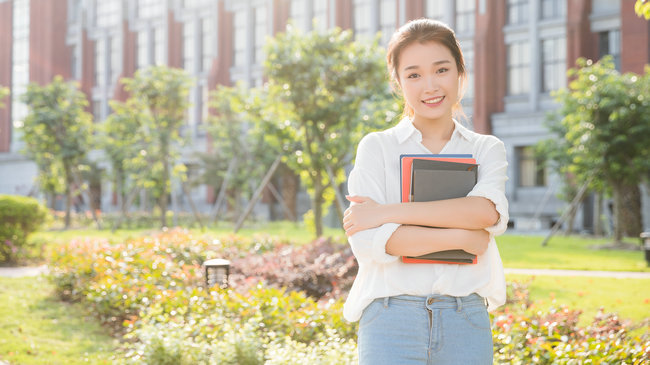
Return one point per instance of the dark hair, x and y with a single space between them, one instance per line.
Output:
424 31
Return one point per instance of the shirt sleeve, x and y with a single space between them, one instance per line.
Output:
367 178
491 184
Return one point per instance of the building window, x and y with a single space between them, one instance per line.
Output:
298 14
159 45
464 16
320 15
553 64
239 38
553 9
188 46
362 14
74 62
517 11
518 68
97 110
531 171
609 43
142 58
207 41
434 9
468 55
100 61
189 4
147 9
109 13
74 12
260 34
115 52
204 106
387 21
19 61
305 20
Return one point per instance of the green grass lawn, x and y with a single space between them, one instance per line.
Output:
571 253
36 328
629 298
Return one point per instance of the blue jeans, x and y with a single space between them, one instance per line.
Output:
437 329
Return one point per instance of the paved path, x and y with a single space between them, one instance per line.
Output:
602 274
15 272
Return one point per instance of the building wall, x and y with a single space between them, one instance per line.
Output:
497 29
6 11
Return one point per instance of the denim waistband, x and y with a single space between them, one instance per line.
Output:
436 301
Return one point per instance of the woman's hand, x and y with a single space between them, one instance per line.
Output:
364 214
477 242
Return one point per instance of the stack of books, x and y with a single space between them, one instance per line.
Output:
437 177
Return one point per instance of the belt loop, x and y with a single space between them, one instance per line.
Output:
386 302
459 304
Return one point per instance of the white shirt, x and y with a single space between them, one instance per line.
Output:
376 174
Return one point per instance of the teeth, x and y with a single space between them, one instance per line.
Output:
433 101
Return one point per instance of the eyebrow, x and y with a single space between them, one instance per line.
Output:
435 64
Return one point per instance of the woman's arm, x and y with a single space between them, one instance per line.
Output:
467 213
485 207
416 240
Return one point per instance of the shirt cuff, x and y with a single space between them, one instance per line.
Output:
379 239
501 204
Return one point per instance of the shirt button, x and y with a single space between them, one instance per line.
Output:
430 301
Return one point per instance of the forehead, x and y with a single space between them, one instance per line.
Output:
419 54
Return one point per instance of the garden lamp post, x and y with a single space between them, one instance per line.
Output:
216 272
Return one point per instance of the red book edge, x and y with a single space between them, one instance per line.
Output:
409 260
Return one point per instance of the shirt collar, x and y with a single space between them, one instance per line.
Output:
405 129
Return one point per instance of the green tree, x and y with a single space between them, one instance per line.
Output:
58 135
119 138
324 92
159 99
642 8
239 155
606 128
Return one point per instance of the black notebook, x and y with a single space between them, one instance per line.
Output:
438 180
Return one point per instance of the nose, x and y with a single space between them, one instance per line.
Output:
431 84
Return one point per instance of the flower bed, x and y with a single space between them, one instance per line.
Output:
284 305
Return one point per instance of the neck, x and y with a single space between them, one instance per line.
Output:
438 129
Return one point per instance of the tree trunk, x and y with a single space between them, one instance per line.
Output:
68 195
598 212
317 204
570 221
290 186
618 224
165 184
631 210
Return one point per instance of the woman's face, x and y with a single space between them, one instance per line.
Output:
428 77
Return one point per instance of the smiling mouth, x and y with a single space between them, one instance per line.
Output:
437 100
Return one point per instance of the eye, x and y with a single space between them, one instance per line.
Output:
413 76
442 70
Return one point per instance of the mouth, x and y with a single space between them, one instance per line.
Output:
434 101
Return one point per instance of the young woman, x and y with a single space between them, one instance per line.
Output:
425 313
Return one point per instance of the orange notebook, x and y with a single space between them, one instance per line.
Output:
407 173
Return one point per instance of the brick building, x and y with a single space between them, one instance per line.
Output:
517 51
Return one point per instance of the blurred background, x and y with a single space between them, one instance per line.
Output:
517 53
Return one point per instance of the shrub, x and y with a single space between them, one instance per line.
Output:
523 336
322 269
152 287
19 216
